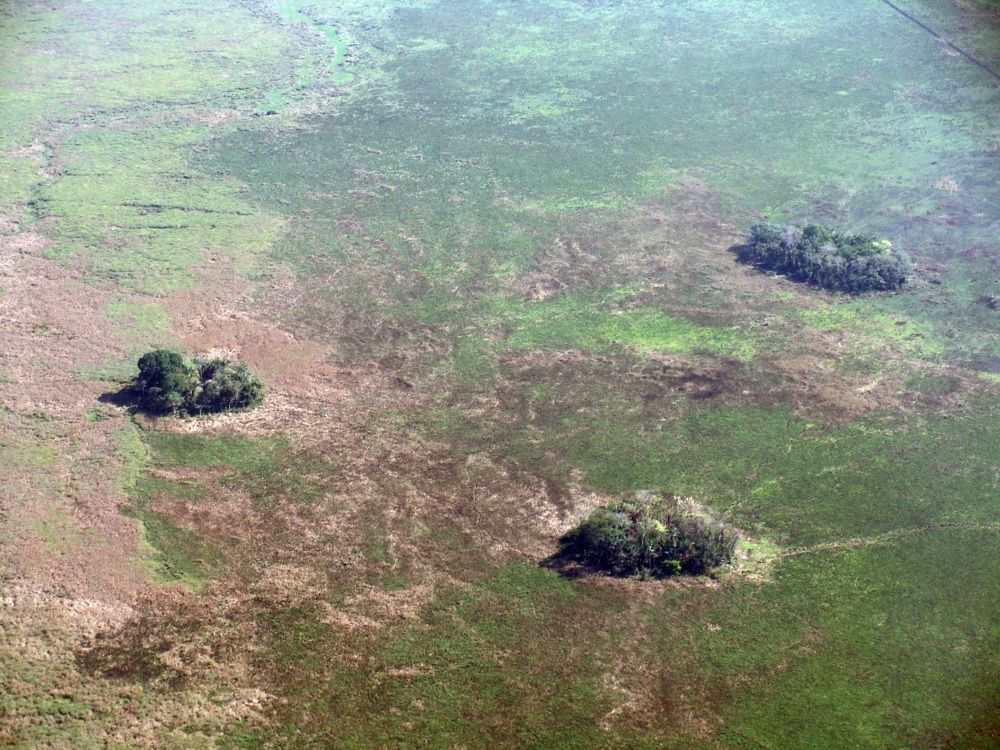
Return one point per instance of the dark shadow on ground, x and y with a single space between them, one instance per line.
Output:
566 566
742 253
125 397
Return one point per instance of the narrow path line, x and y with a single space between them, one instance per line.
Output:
940 38
889 536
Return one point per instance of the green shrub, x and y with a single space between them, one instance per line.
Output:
648 535
227 385
166 382
824 257
169 383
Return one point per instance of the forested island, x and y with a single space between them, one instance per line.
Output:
171 383
648 536
823 257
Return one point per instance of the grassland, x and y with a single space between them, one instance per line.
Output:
481 254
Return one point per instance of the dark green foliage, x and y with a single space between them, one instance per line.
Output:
651 536
166 382
824 257
169 382
227 385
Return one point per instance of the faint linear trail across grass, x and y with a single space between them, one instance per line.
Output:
885 538
944 40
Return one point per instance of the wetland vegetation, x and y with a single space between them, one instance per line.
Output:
478 253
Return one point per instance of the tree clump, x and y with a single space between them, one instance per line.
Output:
649 536
171 383
823 257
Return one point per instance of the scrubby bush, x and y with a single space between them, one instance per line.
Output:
169 383
824 257
227 385
166 382
649 535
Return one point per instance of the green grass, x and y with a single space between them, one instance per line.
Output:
575 322
476 652
886 528
538 150
111 371
146 321
292 12
855 648
478 217
133 195
175 556
170 551
477 145
268 469
497 656
36 457
875 331
133 453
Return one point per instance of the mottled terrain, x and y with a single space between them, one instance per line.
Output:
481 253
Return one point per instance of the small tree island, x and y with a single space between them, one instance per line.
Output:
648 535
172 383
818 255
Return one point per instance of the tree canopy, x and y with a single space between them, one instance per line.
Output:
171 383
649 535
824 257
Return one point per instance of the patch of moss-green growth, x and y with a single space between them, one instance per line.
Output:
132 196
276 101
33 456
802 484
394 581
58 530
831 607
267 469
64 707
109 371
294 634
294 11
19 176
173 489
133 454
931 384
174 554
239 454
161 545
474 647
873 330
555 104
138 321
473 361
575 321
